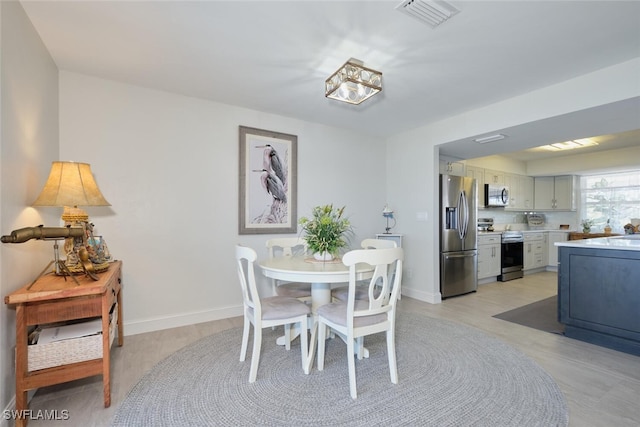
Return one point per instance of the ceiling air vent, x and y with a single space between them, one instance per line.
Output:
432 13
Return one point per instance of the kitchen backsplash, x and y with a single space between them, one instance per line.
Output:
518 220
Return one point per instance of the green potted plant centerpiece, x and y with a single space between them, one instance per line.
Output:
326 231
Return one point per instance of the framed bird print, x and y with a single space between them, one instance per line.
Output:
268 182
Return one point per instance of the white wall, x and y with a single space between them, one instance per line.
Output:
499 163
612 160
28 143
168 164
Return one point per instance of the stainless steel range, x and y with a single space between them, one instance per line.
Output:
512 258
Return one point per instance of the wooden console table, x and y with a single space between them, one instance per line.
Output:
580 236
53 299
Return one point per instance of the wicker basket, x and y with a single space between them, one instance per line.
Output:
69 351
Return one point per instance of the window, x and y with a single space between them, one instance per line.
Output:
612 197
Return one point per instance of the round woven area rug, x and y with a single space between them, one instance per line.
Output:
449 375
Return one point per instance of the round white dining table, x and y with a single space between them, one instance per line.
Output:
321 274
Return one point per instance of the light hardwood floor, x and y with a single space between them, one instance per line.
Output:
601 386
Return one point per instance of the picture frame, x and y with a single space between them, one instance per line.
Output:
268 163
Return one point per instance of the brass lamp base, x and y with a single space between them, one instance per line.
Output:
74 214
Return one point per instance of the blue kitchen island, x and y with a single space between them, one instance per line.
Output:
599 291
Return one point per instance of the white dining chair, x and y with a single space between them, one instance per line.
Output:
340 293
289 246
267 312
355 319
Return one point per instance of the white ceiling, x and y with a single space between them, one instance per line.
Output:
274 56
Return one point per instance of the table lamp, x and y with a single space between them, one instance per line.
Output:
70 185
388 214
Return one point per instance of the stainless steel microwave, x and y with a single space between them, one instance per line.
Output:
496 195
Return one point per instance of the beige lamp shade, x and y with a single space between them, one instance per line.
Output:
71 184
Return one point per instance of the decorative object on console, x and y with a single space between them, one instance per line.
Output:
607 228
388 214
46 233
326 231
586 225
71 184
353 83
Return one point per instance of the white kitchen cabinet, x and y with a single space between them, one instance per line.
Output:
489 256
535 249
526 196
477 174
451 167
565 187
552 250
520 192
555 193
493 177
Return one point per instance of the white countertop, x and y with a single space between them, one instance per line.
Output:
546 230
628 242
480 233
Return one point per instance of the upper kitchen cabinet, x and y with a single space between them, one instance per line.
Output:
451 167
555 193
493 177
477 174
520 192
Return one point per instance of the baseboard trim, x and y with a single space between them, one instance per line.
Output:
167 322
430 297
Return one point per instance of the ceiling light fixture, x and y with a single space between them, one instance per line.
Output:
432 13
490 138
570 145
353 83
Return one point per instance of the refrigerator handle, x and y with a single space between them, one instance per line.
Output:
463 215
466 255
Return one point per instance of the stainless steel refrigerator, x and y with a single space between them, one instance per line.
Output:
458 235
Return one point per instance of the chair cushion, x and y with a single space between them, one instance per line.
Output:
282 308
294 290
362 293
337 313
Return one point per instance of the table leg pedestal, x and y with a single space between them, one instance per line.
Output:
320 295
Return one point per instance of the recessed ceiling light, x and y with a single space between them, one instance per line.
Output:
490 138
570 145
